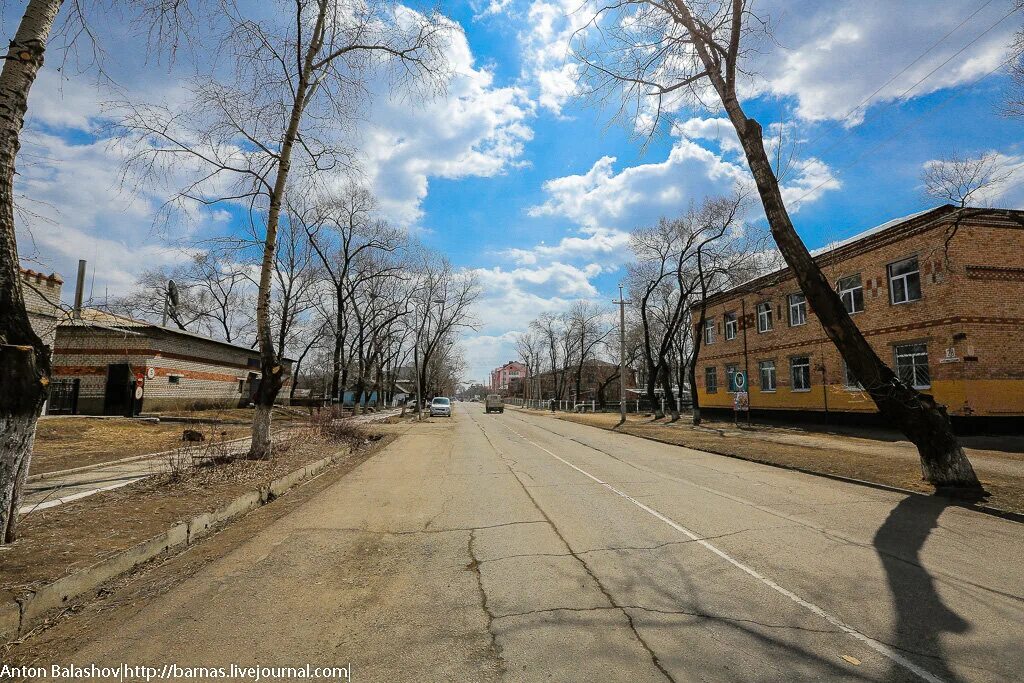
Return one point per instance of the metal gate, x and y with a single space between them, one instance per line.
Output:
63 399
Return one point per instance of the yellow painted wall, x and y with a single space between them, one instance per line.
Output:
982 396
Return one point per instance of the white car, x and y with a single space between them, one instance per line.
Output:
441 406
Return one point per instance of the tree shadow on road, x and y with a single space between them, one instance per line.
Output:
921 615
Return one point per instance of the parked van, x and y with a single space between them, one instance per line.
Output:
494 403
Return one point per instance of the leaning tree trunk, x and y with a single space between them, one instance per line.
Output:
917 415
698 341
24 359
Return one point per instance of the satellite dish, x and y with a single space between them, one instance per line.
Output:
172 293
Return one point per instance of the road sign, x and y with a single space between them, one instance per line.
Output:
739 380
741 401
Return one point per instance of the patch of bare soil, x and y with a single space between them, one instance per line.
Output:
60 540
823 453
65 442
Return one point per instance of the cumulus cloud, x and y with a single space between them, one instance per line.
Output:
544 43
832 56
475 129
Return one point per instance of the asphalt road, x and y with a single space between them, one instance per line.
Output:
522 548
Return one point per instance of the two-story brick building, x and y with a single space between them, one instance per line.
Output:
938 294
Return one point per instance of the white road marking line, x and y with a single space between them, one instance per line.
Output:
25 509
878 647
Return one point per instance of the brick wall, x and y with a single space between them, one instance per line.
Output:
205 373
971 306
42 301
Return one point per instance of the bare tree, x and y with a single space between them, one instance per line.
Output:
550 329
653 55
295 78
964 180
443 300
24 359
342 228
529 347
150 300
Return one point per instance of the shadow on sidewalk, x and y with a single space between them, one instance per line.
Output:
921 615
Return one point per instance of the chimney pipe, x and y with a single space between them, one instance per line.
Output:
79 288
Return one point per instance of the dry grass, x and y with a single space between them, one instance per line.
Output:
66 442
63 539
876 461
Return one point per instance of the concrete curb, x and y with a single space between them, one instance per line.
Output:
953 502
18 616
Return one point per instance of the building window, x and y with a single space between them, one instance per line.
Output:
730 377
797 309
851 291
764 317
709 331
912 365
904 281
173 379
800 373
767 368
850 380
711 380
732 326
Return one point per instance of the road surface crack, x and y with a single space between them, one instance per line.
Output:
604 590
474 566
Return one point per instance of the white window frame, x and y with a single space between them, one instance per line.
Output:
849 385
709 331
761 367
792 373
923 352
801 306
905 279
732 326
851 291
730 383
764 317
710 371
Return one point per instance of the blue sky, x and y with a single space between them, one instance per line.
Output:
516 178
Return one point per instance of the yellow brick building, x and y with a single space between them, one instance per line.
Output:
938 294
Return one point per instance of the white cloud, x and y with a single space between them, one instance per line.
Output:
476 129
640 195
831 56
544 46
72 206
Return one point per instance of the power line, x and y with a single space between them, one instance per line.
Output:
902 71
953 95
928 75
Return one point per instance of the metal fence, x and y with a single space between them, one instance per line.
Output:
636 405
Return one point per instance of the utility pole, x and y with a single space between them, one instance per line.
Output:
416 364
622 356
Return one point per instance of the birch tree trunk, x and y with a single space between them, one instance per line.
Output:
273 376
24 360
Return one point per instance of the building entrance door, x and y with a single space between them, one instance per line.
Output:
119 397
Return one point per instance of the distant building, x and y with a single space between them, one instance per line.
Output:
105 364
501 378
41 293
939 295
599 382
